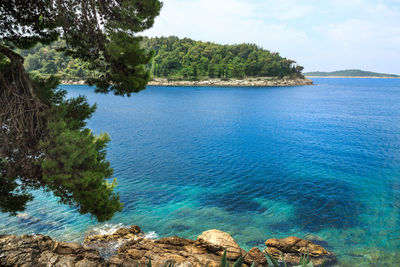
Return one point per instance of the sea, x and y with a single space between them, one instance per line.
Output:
320 162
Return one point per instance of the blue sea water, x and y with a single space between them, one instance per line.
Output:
320 162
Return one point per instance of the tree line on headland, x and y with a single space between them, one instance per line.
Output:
188 59
175 59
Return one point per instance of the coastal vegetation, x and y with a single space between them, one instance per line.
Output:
350 73
174 59
44 140
50 60
188 59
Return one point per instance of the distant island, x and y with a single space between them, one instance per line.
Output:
352 73
183 62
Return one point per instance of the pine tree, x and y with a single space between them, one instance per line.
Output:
44 142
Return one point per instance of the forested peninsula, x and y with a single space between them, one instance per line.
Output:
182 62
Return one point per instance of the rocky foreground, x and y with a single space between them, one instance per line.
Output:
235 83
130 247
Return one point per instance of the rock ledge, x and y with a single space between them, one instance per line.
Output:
132 248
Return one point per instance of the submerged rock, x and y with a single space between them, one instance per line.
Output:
293 248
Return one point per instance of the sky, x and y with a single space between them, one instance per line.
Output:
324 35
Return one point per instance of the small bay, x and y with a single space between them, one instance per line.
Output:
320 162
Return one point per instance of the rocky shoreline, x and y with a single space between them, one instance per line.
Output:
219 82
235 83
130 247
73 82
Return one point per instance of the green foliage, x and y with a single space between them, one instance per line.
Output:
175 59
12 198
283 259
225 263
131 58
186 59
224 260
305 261
106 38
25 23
74 166
272 260
47 59
69 160
101 34
44 142
239 262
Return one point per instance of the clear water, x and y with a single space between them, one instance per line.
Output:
320 162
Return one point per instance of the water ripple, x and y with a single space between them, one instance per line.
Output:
316 161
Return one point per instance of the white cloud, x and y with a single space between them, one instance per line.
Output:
355 32
226 21
281 10
371 43
323 35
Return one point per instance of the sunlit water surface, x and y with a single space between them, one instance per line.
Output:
320 162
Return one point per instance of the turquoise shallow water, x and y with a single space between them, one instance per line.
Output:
321 162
